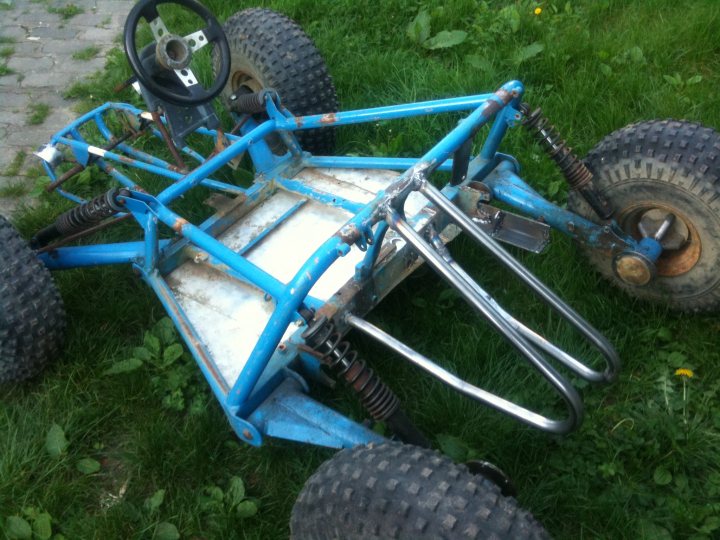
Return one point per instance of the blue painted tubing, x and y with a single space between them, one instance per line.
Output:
391 112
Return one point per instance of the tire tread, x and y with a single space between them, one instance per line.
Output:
674 152
291 64
32 316
394 490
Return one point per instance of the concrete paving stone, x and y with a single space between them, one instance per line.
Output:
96 35
11 118
26 64
54 32
14 31
12 100
38 134
27 48
113 6
31 18
85 66
51 97
8 15
9 81
87 19
45 68
27 137
49 79
61 46
7 156
118 18
8 206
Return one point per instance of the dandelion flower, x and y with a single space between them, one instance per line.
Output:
684 372
538 10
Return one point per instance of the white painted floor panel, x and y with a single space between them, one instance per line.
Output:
228 315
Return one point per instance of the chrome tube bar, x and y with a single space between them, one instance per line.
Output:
492 400
571 316
486 308
561 356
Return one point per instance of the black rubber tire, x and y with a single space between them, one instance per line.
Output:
674 165
276 53
32 316
394 490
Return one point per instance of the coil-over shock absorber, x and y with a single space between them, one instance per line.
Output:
249 103
576 173
377 398
80 218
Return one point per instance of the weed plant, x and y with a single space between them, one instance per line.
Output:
38 113
121 438
66 12
87 53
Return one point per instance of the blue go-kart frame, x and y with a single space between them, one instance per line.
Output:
270 396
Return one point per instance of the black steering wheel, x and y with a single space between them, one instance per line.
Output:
165 72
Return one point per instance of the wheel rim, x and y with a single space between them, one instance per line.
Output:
245 82
672 262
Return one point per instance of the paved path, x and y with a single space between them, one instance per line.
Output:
37 47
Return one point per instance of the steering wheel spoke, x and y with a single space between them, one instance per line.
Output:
197 40
158 28
186 76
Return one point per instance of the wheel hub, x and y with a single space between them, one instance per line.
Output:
680 241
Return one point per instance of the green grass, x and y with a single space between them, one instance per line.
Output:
6 52
38 113
4 70
14 166
66 12
87 53
645 462
13 190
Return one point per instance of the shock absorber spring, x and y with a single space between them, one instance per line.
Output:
377 398
80 218
337 355
576 173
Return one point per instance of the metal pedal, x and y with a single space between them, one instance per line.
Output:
518 231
